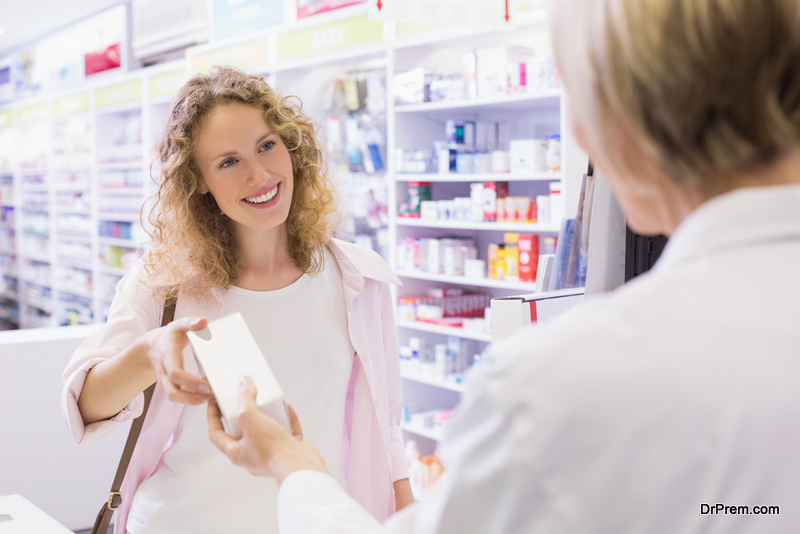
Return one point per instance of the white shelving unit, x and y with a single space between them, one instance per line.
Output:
297 61
69 187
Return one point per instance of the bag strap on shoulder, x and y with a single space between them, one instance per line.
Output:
115 496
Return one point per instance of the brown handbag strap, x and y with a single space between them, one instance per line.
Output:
115 497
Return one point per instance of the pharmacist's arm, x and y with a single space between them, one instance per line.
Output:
488 484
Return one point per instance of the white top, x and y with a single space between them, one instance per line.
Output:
302 331
632 411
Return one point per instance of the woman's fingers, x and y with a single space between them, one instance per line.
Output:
297 430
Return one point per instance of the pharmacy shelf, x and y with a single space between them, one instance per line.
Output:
74 237
445 330
127 107
73 291
442 384
40 259
120 217
121 190
118 271
469 225
72 263
518 103
483 177
72 186
7 204
511 285
435 434
122 166
130 243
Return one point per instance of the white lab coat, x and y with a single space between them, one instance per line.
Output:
628 414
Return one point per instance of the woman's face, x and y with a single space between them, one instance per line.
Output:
245 166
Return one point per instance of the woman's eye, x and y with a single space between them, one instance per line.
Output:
227 163
267 145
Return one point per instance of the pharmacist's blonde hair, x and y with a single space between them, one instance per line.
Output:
193 247
705 87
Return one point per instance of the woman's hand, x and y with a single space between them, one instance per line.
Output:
265 448
164 349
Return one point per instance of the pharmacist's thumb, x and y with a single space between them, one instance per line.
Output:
247 394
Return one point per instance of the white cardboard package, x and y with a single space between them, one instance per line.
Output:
227 352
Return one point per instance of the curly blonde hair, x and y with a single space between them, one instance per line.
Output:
707 87
193 247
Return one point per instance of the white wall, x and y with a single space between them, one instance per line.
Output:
38 457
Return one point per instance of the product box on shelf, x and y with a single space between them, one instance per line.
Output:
528 246
541 74
492 192
492 67
417 193
527 156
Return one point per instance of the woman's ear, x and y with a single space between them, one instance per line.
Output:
202 188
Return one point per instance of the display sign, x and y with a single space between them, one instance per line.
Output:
167 84
335 36
244 56
234 18
5 118
71 104
483 14
118 94
33 113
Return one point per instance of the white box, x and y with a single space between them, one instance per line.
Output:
474 268
492 67
527 156
501 161
226 352
476 202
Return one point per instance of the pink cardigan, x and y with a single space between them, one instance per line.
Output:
373 452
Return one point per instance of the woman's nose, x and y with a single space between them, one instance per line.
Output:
257 175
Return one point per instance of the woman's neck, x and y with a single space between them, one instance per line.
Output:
264 260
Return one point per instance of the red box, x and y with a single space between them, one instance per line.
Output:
491 192
528 246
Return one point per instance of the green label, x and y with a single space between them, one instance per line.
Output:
118 94
71 104
167 84
336 36
407 28
33 113
244 56
5 118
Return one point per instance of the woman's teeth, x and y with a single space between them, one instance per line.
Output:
266 197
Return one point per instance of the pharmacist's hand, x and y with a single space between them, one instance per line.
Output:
266 448
164 348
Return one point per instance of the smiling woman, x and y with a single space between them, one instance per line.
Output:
217 126
242 223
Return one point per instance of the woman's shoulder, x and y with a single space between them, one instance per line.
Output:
361 261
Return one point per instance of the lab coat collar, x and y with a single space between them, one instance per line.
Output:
742 218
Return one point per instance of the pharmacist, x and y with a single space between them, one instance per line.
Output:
673 404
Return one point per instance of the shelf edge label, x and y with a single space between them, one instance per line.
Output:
5 118
118 94
71 104
243 56
168 83
33 113
356 31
